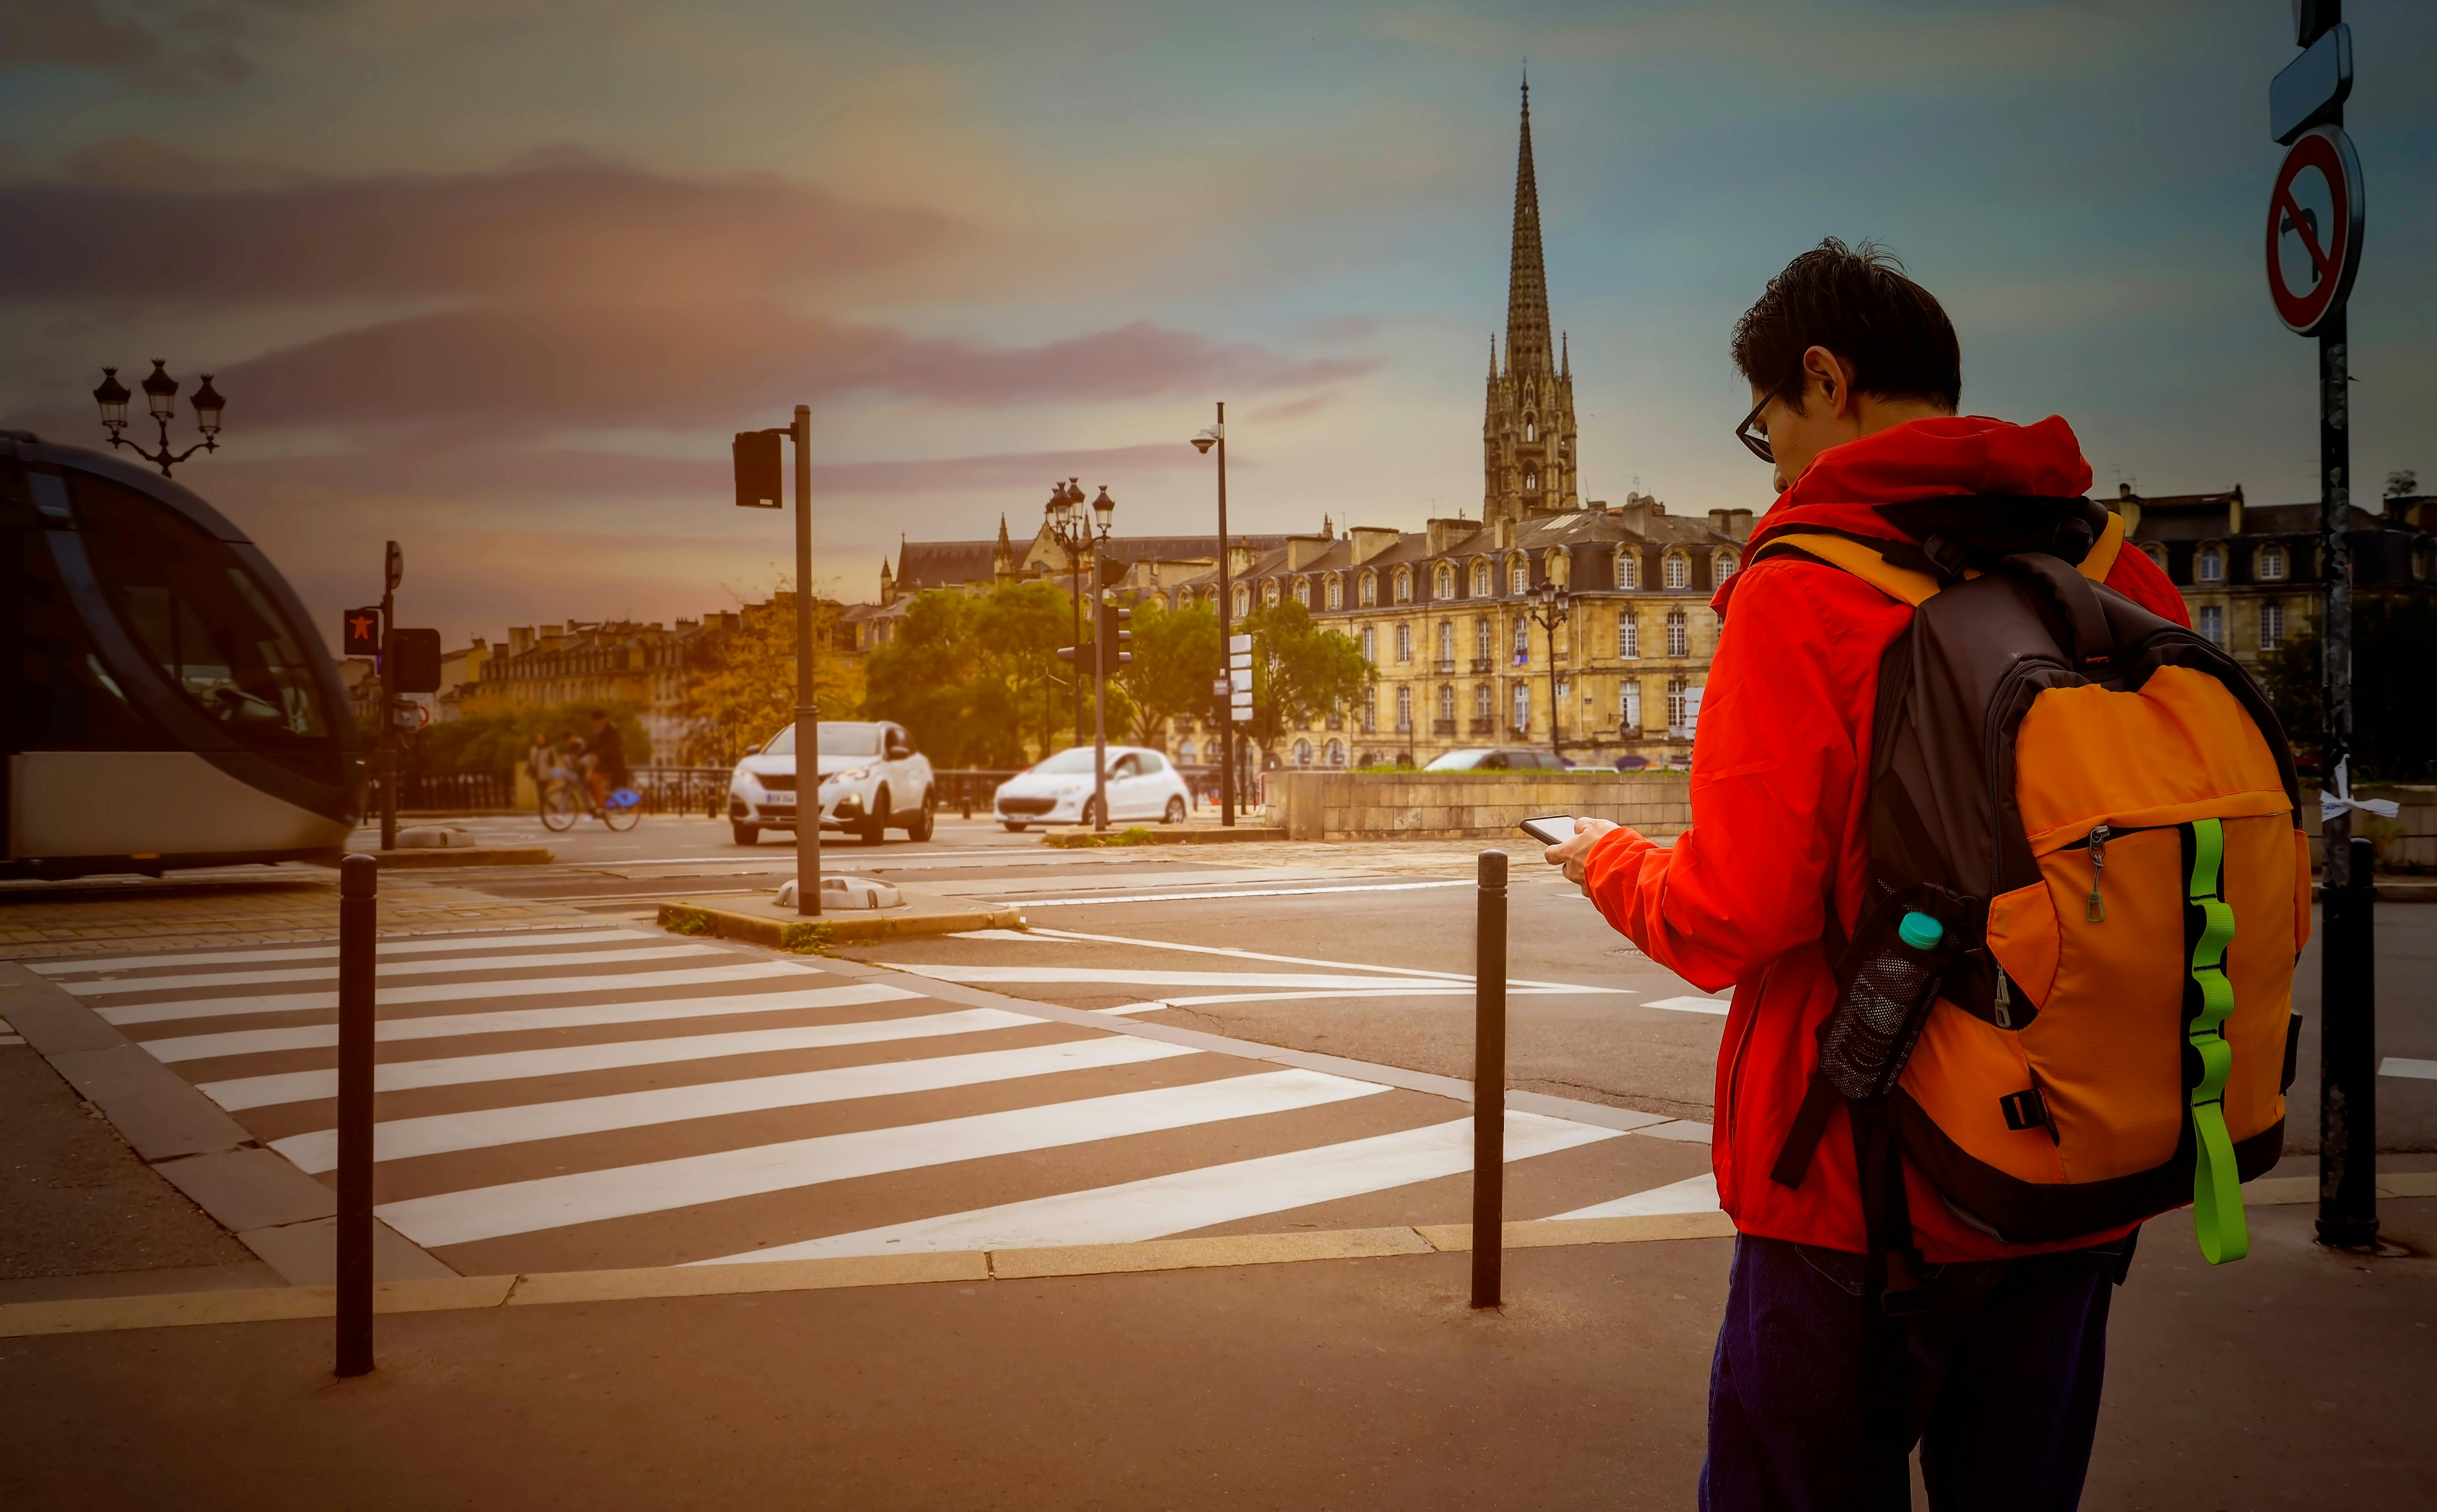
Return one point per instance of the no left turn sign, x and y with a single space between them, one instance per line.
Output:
2314 229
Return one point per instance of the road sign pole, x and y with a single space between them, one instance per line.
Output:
1226 619
808 716
393 571
1489 1080
359 936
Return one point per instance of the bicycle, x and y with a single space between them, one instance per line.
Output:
564 800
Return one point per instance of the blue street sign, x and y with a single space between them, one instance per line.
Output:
2309 90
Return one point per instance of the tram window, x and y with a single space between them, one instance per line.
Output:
196 608
66 700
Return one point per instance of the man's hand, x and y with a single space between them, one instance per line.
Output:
1571 854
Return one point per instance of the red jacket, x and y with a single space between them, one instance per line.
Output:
1781 764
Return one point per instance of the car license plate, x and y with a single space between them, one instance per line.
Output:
779 800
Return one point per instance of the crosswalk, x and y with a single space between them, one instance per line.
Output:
609 1097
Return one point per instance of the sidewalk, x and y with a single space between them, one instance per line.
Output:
257 906
2295 1376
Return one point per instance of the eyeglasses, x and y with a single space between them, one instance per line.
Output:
1758 445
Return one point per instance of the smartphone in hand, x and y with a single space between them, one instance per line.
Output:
1550 829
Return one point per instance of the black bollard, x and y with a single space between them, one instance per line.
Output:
2348 1054
1489 1082
358 931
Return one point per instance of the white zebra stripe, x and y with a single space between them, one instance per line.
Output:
305 1003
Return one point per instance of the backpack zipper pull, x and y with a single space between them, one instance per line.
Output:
2004 1011
2097 865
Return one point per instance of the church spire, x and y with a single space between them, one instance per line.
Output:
1527 279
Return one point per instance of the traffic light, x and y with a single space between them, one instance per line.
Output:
1068 653
415 660
361 631
1115 635
759 471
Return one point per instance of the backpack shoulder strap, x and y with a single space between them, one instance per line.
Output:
1915 587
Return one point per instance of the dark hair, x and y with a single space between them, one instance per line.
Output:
598 715
1857 303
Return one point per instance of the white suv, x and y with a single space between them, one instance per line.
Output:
872 780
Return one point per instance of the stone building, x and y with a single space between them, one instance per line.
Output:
611 661
2250 574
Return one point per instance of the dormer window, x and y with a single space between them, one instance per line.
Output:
1336 593
1269 593
1724 565
2209 566
1366 591
2272 564
1628 569
1481 579
1243 600
1519 576
1445 582
1404 585
1679 570
1302 592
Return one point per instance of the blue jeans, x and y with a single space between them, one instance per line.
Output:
2002 1391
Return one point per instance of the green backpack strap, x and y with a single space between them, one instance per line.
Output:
2216 1186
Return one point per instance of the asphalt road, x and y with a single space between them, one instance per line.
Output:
1204 937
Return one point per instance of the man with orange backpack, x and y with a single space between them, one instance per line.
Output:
2000 860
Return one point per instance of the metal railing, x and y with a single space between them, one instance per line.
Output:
446 790
683 789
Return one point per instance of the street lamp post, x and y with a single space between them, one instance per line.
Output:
1104 510
1068 526
759 486
1550 604
161 399
1217 436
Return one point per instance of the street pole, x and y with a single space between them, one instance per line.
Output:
359 942
1226 621
1556 746
391 563
808 716
1099 706
1074 591
1489 1079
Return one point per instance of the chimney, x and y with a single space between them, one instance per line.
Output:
552 636
1240 559
1734 524
2234 514
1302 550
1439 535
1370 540
520 639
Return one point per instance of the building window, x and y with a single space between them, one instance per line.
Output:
1447 640
1334 755
1680 638
1443 582
1368 592
1628 569
2272 564
2212 623
1724 565
2157 555
2271 625
1628 705
1405 708
1370 644
1531 481
1481 701
1369 712
1679 570
1480 638
1519 576
1270 592
1564 690
1675 705
1303 752
1336 593
1447 703
1522 708
1522 643
1184 753
1404 586
1481 579
1302 592
1628 636
2210 565
1404 643
1531 430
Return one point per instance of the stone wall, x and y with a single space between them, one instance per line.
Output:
1469 805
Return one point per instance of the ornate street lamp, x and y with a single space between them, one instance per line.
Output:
1550 604
1217 436
1060 515
161 400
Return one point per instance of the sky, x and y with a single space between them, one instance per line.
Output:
499 279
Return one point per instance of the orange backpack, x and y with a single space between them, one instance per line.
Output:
2068 1001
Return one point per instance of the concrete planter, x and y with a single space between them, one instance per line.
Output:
1469 805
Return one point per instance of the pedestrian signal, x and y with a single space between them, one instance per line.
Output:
360 631
416 664
758 480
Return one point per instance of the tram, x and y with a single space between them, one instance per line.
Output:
167 703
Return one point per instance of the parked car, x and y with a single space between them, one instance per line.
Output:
1143 784
872 780
1502 758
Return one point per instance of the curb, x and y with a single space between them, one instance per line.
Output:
462 856
1076 837
832 929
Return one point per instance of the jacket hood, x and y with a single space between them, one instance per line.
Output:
1942 455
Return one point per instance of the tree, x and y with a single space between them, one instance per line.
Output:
494 736
970 676
1021 626
2402 483
2394 722
740 679
1300 671
1176 659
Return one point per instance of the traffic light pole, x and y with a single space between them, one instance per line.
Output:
1226 619
808 716
1099 708
391 563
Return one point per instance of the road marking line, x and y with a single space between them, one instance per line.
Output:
1046 932
1185 1200
520 1020
242 1092
330 952
1694 1195
399 968
301 1003
1415 991
1191 898
1152 976
2399 1066
691 1181
1690 1005
486 1128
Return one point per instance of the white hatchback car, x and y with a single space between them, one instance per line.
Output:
872 780
1143 784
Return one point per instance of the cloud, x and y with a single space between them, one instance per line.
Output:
180 44
563 224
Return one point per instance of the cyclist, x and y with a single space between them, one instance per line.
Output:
604 759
